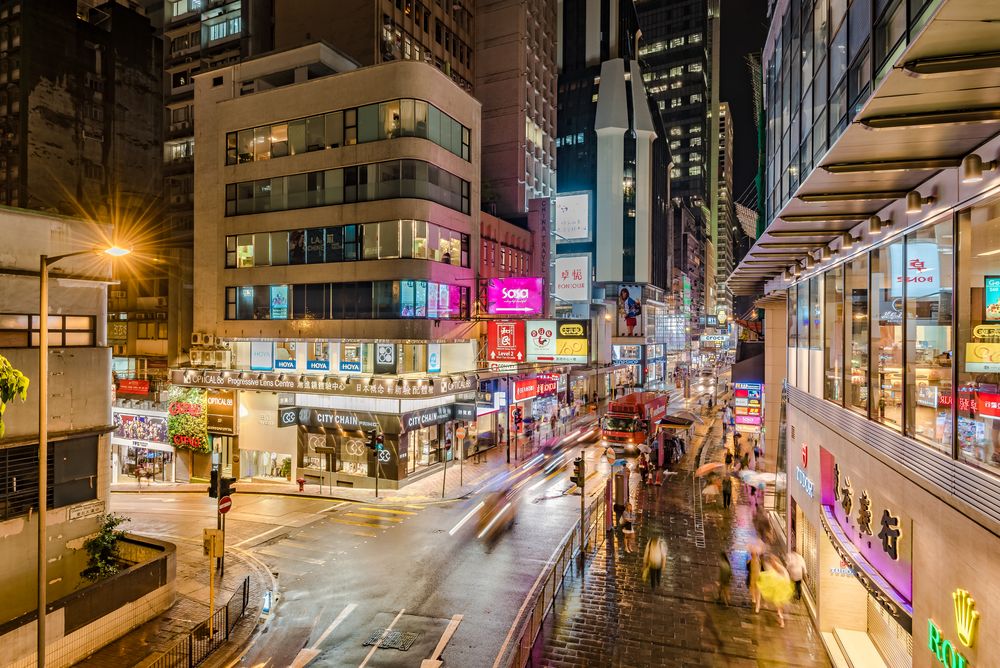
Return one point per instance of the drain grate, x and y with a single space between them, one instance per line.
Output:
401 640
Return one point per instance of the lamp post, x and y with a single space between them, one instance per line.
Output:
43 435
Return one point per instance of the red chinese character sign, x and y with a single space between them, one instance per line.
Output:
505 344
187 422
573 278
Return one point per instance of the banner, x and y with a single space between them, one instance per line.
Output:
573 278
133 386
630 317
573 217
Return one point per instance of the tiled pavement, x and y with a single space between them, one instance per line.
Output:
609 616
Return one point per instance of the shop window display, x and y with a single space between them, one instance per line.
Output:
856 335
887 334
978 344
928 280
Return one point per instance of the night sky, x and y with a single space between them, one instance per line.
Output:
744 28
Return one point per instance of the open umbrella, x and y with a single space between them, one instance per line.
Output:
687 415
674 422
708 468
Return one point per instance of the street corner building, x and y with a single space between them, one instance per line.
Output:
880 268
336 226
82 615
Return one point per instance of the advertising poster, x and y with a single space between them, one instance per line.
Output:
350 357
573 341
630 320
541 341
147 428
433 358
982 357
991 298
187 418
573 217
261 355
284 355
279 302
923 269
520 296
573 278
318 358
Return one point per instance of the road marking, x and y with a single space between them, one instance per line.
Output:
260 535
336 506
369 516
304 656
387 510
384 634
281 554
449 631
411 505
466 518
369 525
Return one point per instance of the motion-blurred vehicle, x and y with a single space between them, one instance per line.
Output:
497 515
631 420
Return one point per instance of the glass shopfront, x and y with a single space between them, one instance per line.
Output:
885 321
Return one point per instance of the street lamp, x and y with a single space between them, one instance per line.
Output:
43 435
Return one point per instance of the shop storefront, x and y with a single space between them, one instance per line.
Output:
140 448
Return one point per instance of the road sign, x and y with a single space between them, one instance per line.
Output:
213 542
225 503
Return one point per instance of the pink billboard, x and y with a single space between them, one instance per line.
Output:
515 296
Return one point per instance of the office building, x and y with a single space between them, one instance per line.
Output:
380 31
337 233
882 305
726 239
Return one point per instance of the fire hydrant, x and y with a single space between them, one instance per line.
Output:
302 484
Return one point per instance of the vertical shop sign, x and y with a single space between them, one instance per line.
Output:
222 412
505 344
261 356
385 358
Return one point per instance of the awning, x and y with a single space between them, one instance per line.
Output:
935 106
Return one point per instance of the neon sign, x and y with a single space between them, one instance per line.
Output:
966 623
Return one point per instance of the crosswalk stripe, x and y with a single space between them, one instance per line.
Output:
360 524
387 510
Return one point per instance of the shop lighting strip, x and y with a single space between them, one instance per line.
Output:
876 585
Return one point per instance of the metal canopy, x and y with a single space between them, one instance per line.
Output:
936 105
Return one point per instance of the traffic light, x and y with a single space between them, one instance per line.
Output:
227 487
517 418
372 439
213 484
579 473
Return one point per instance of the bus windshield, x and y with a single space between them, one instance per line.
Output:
620 424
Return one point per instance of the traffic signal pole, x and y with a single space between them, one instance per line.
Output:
583 503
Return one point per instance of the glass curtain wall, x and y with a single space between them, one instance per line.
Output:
978 345
793 332
887 334
928 278
816 336
833 340
857 337
802 352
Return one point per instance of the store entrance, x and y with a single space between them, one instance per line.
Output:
138 464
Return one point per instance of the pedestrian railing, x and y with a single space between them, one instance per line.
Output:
194 647
543 596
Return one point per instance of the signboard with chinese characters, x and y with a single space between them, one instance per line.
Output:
558 341
525 389
879 529
316 384
187 424
515 296
133 386
748 400
505 344
573 278
573 217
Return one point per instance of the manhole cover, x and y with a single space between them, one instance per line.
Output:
401 640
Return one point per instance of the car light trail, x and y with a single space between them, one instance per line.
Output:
465 519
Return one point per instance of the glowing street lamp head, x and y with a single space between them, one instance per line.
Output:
117 251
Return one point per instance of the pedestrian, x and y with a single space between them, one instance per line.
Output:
643 465
729 459
628 529
594 398
711 403
619 508
725 577
653 560
775 585
796 567
727 491
753 579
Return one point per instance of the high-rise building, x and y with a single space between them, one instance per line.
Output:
881 280
81 82
680 59
613 182
379 31
516 80
337 236
725 246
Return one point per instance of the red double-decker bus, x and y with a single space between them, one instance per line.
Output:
632 419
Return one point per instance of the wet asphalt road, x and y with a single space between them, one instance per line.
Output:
361 568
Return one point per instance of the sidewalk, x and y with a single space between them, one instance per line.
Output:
609 617
460 479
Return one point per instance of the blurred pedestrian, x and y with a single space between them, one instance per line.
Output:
628 529
643 465
796 567
729 459
753 579
727 491
653 561
725 577
775 586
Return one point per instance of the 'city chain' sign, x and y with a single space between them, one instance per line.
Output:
279 382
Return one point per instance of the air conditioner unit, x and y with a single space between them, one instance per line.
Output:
207 339
161 316
196 338
197 358
222 358
118 350
161 301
